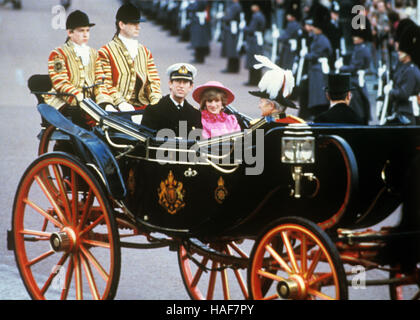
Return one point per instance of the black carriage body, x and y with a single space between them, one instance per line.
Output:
359 177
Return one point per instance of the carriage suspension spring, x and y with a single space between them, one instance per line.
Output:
206 269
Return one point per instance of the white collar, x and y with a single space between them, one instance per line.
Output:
82 51
176 103
131 45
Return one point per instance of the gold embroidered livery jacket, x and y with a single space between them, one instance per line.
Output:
123 74
69 75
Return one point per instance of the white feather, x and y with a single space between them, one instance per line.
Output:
273 80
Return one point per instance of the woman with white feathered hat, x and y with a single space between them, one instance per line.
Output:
275 86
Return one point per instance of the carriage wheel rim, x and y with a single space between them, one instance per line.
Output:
84 266
299 277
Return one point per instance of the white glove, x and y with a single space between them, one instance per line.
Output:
220 15
303 51
137 118
339 63
125 106
242 25
387 88
110 108
275 33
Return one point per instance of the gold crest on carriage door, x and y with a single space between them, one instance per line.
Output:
171 194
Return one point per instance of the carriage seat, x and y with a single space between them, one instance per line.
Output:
39 84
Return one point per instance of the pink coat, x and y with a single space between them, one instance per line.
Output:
218 124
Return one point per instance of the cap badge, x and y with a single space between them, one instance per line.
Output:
183 70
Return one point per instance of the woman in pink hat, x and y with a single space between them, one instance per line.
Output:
213 97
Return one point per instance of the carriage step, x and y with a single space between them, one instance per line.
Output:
10 242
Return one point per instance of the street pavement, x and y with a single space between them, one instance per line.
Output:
27 37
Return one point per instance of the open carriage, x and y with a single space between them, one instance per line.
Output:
276 209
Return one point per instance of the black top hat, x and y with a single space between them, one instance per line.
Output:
129 13
338 83
78 19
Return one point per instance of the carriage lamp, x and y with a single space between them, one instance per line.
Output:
298 150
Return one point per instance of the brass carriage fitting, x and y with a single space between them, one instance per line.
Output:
292 288
63 240
297 175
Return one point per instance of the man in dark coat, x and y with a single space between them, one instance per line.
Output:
338 93
320 52
200 29
172 111
254 34
404 92
360 62
230 31
290 35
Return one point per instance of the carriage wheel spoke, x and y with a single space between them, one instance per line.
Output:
91 280
238 250
69 275
40 258
42 235
75 200
54 273
94 262
199 272
269 275
51 199
225 284
62 192
314 263
303 254
212 281
290 251
86 210
236 271
279 259
78 277
92 225
318 294
43 213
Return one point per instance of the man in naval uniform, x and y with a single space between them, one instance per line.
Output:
72 66
403 94
360 62
173 109
130 72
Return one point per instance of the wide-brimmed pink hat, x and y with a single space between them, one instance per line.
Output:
213 85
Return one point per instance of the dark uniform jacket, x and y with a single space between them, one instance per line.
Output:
165 114
339 113
230 39
320 48
360 60
406 84
257 24
287 55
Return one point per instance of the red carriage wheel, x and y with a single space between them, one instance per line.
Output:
66 241
213 279
308 264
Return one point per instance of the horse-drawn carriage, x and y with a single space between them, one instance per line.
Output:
277 208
